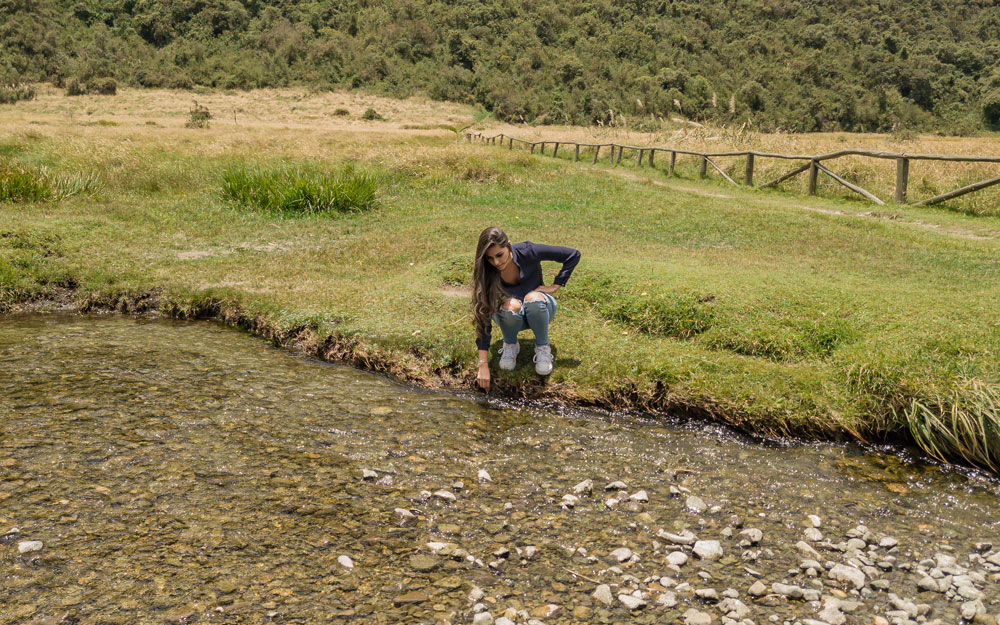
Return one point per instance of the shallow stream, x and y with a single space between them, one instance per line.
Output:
181 472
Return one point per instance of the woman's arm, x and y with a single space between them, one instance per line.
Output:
565 255
483 374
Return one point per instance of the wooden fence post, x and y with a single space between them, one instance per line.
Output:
902 177
651 153
704 167
510 146
813 173
641 154
612 153
748 176
621 150
597 150
543 148
555 151
673 161
532 148
576 153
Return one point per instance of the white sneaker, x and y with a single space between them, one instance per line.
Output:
543 359
508 356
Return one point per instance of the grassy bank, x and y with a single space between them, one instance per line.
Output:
772 312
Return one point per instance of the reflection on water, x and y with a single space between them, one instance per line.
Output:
185 471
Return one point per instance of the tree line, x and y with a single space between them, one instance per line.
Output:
797 65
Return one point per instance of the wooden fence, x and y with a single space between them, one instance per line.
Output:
814 164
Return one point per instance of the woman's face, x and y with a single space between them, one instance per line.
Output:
498 256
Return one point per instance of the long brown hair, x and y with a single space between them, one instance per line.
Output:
487 291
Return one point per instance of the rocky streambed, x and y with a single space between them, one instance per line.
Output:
158 471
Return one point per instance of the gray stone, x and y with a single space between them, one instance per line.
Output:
708 549
603 594
445 495
617 485
696 504
814 520
697 617
888 542
482 618
806 550
844 573
969 593
856 543
751 535
684 537
29 546
944 560
707 594
476 594
631 602
786 590
585 487
813 534
758 589
569 501
621 554
831 613
971 609
667 599
677 558
734 609
640 496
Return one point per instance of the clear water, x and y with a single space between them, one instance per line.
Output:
180 472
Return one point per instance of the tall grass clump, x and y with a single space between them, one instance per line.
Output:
289 190
22 184
964 424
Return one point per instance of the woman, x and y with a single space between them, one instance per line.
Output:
508 288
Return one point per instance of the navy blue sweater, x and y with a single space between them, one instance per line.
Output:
528 257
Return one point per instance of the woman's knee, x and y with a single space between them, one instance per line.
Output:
512 305
534 296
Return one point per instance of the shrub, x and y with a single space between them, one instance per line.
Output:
342 112
75 87
102 86
991 109
371 115
296 191
198 117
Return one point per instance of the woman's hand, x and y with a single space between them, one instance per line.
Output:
483 377
550 289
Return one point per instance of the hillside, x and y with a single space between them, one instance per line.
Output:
795 65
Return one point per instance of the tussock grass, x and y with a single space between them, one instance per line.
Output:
19 183
965 424
291 191
23 184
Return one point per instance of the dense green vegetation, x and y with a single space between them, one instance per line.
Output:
790 64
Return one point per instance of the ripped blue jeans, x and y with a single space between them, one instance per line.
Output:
533 315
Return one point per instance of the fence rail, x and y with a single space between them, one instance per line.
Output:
814 165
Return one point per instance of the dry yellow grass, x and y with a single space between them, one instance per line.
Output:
293 109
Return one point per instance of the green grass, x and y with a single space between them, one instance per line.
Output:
745 308
289 190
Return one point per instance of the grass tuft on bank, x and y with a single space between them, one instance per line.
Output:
292 190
